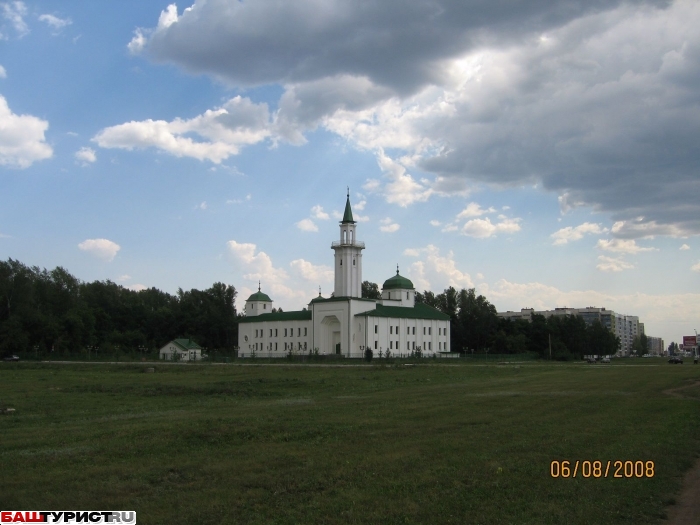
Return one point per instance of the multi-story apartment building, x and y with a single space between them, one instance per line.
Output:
626 327
655 345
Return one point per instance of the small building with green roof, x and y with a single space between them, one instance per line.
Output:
346 323
181 350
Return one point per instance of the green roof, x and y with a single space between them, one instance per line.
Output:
420 311
187 344
318 299
397 281
347 216
300 315
259 296
340 298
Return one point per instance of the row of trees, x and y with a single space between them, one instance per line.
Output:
475 327
53 311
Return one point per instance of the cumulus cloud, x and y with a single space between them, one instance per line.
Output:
612 264
138 42
435 271
568 234
255 265
318 213
55 22
3 73
622 246
123 278
307 225
101 248
14 13
473 209
639 228
311 272
22 140
85 156
696 267
684 247
483 228
400 187
137 287
389 226
223 131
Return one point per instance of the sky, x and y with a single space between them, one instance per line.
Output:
546 153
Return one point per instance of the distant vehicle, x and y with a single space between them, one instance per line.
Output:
676 361
590 360
605 360
11 358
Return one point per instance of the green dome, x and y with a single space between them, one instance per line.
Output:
259 296
396 282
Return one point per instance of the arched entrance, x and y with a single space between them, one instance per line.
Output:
330 335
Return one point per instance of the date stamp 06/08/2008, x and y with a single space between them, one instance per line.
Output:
601 469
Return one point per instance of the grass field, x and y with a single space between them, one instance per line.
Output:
453 443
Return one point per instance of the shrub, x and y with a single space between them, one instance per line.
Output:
369 355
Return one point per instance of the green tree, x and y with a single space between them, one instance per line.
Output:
370 290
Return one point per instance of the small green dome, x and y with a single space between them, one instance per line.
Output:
259 296
396 282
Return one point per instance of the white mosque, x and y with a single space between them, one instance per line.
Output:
346 323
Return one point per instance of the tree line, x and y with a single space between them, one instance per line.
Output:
475 328
53 312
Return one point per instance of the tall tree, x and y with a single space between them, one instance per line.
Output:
370 290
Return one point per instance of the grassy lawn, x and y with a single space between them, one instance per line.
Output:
457 443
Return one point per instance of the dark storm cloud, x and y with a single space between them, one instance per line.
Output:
609 116
396 43
597 101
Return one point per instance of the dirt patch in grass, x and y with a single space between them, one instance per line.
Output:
686 511
689 391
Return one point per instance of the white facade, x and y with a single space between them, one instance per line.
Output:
181 350
346 324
